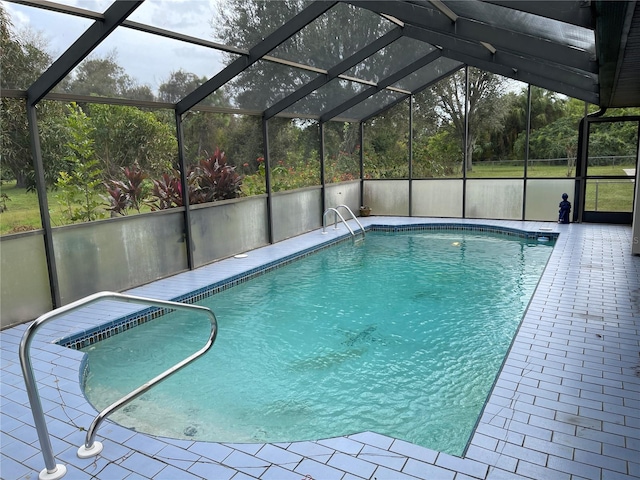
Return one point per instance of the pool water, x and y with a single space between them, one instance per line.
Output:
402 334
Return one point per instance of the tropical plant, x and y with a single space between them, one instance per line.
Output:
126 194
117 198
213 179
167 192
78 184
210 180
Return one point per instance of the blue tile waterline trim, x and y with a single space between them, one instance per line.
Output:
457 227
86 338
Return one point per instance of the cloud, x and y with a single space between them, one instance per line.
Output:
150 59
190 17
59 30
147 58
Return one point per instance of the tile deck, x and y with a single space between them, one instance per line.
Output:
565 405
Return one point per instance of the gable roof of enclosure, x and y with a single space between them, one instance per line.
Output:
588 50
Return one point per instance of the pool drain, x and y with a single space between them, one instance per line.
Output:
190 431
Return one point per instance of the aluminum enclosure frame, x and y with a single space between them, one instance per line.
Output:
536 61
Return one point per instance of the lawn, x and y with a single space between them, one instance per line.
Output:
541 171
609 195
22 212
615 195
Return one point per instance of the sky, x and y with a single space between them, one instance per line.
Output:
147 58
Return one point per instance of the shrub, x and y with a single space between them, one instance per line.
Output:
211 180
77 185
167 192
123 195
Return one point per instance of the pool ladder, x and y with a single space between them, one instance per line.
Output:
336 215
53 471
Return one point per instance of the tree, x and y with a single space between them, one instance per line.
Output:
23 57
22 61
15 140
203 131
103 77
244 142
12 58
498 144
342 151
244 23
487 107
125 136
293 157
439 156
178 85
546 107
558 139
554 128
426 120
385 146
77 185
436 151
555 140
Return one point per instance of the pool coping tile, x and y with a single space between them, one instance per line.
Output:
564 404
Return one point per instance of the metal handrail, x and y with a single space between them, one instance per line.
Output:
335 219
353 216
53 471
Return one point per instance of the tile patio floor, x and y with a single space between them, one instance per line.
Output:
566 404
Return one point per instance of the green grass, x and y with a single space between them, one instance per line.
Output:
517 171
612 195
23 213
542 171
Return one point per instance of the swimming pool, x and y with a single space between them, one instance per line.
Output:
399 335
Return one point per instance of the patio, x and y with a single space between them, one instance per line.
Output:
565 405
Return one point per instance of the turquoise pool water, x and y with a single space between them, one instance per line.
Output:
402 334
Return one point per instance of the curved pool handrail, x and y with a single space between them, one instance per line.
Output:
335 219
53 471
352 216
